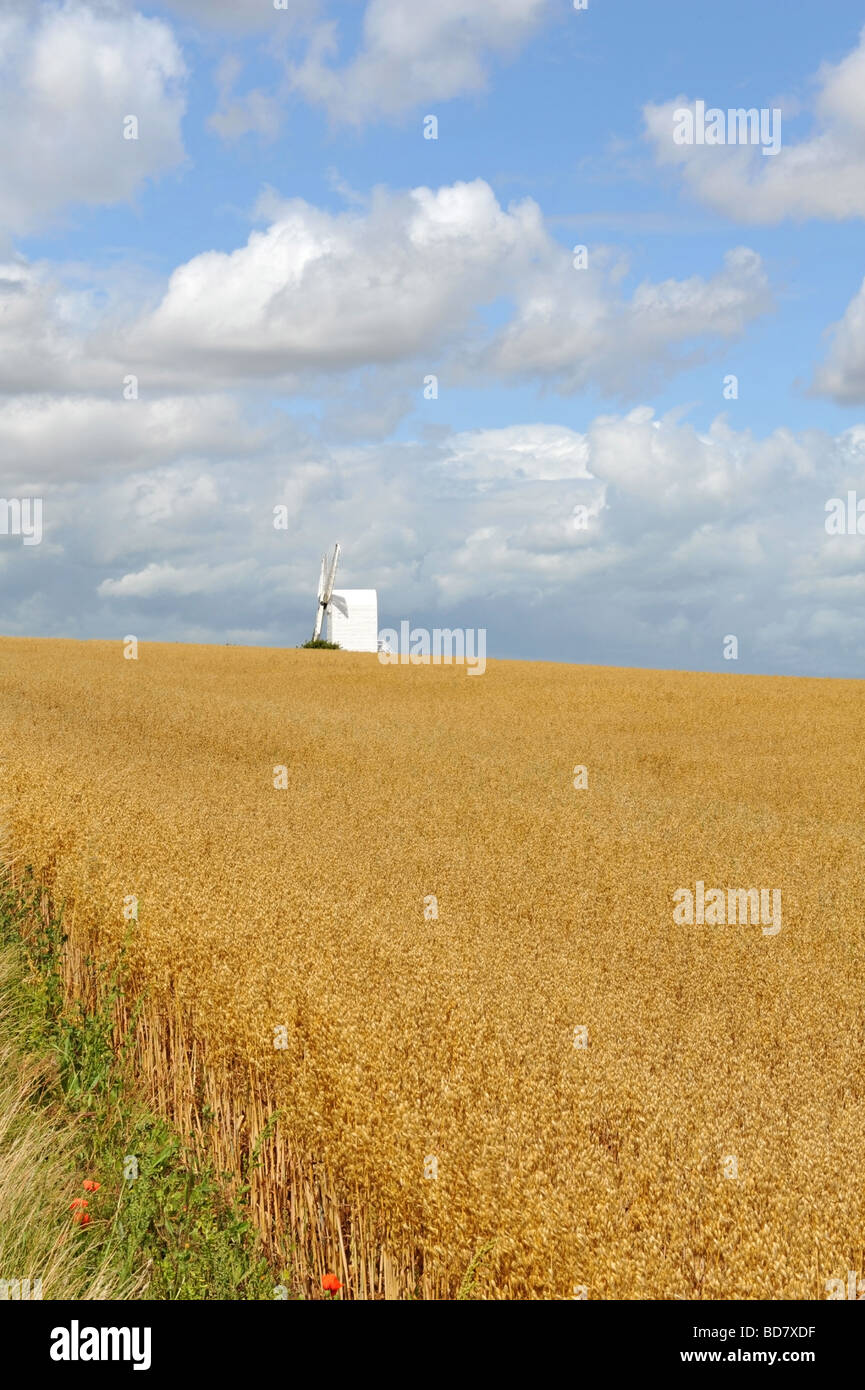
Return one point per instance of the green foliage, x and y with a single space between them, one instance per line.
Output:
176 1229
319 643
469 1279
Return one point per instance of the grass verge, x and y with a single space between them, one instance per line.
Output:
99 1197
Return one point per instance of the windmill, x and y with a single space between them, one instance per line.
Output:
352 614
325 590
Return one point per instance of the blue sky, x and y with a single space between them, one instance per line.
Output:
290 365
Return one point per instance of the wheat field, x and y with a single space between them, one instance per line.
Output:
370 974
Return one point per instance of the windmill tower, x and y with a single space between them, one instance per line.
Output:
352 614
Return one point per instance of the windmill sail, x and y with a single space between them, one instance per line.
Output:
325 589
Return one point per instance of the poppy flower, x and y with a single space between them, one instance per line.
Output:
79 1211
90 1186
331 1284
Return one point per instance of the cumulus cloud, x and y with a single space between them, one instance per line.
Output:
533 453
821 176
406 278
47 334
413 53
253 112
177 581
658 493
842 375
250 15
407 54
318 298
61 439
640 540
318 290
576 328
69 78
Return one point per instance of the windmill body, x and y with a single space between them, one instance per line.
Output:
352 620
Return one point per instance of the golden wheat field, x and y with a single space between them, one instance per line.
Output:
294 964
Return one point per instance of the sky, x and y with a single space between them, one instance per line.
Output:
321 260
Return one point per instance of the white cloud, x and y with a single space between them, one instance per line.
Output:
158 579
60 439
413 53
339 304
255 112
666 502
539 453
178 494
68 79
842 376
820 176
250 15
329 292
576 328
406 279
44 331
691 534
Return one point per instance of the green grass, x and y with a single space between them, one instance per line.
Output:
163 1224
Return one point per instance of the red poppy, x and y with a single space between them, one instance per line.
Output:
331 1284
79 1212
91 1186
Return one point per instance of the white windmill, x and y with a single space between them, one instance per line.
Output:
352 614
